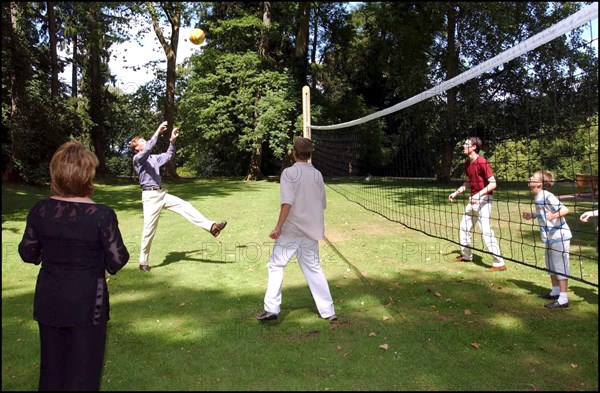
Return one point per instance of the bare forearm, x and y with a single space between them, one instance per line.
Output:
283 214
487 189
459 190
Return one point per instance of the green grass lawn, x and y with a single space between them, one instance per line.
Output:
409 317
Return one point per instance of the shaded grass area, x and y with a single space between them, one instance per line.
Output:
409 317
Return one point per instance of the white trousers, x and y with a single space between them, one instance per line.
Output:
153 202
481 213
307 253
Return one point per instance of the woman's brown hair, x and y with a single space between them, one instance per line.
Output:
72 170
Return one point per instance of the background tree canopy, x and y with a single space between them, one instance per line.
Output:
238 102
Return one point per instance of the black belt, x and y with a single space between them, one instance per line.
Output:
151 189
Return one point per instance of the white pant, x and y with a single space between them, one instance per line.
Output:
479 213
153 202
307 253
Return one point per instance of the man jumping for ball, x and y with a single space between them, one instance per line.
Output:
155 198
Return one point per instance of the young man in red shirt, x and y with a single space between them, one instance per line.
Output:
481 181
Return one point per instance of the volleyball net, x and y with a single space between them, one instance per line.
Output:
404 161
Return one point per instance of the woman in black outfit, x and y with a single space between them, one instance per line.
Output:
75 240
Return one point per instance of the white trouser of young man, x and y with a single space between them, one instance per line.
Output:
153 202
307 252
557 259
479 213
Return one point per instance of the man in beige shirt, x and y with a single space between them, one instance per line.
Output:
300 226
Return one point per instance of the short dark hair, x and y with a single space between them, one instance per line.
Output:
72 170
303 147
475 141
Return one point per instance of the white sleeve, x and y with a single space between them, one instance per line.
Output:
286 186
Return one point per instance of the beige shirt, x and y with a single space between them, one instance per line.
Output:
302 186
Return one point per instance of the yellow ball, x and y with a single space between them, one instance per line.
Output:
197 36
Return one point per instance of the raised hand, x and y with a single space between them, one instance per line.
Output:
162 127
174 134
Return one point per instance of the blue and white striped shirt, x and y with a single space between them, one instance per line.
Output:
553 231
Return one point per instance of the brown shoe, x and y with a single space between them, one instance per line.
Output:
496 268
216 229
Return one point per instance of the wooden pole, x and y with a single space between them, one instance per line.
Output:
306 112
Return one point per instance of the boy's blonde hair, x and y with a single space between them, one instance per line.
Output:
545 177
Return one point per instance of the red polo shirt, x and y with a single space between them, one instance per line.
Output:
478 171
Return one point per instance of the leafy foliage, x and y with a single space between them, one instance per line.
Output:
575 152
238 100
39 128
232 104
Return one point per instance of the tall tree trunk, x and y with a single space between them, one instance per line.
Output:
263 49
75 66
173 12
302 29
447 153
313 53
254 172
53 56
301 50
171 167
96 94
254 169
18 76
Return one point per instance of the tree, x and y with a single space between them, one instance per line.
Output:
30 117
37 114
263 49
269 31
96 81
102 22
389 63
18 75
173 14
484 30
53 55
302 38
234 105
